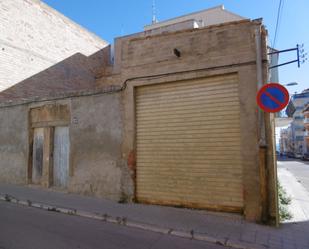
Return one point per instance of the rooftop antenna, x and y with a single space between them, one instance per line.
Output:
154 17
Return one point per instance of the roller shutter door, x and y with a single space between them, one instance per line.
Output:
188 144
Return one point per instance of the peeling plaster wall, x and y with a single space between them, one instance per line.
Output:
13 144
96 133
96 139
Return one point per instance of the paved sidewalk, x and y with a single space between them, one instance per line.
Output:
226 229
299 207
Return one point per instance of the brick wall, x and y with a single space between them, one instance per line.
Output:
35 37
72 74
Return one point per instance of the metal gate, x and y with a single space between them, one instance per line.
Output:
188 144
61 157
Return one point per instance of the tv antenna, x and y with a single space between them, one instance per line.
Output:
154 14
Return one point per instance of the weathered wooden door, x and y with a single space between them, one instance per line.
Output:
37 158
61 157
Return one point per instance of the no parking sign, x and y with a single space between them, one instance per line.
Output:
272 97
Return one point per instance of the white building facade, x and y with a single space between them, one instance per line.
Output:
297 142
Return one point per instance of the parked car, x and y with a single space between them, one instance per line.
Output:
298 155
290 154
306 157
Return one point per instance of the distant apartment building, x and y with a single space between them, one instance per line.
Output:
199 19
286 141
283 142
306 124
34 37
298 144
273 72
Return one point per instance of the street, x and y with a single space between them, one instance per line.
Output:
300 169
29 228
293 175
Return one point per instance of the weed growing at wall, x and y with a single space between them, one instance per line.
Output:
284 202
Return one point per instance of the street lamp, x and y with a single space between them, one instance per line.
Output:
291 84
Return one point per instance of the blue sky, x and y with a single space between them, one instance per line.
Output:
110 19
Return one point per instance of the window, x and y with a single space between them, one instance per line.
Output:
299 138
299 117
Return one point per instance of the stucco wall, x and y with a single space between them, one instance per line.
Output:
96 133
13 144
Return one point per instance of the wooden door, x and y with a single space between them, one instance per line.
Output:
61 157
37 158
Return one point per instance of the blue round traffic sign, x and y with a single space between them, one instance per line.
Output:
272 97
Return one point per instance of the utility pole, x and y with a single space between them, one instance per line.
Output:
300 53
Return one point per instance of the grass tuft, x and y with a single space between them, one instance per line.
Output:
284 202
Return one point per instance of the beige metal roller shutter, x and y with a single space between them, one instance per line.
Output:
188 144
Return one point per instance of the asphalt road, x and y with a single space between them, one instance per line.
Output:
300 169
30 228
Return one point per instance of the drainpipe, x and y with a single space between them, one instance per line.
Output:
261 129
259 73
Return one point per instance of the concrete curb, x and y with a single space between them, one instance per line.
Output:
125 222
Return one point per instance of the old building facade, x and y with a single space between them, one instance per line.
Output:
199 19
166 122
306 125
297 142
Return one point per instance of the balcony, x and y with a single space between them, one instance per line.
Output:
306 123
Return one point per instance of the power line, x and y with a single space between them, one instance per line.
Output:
279 13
